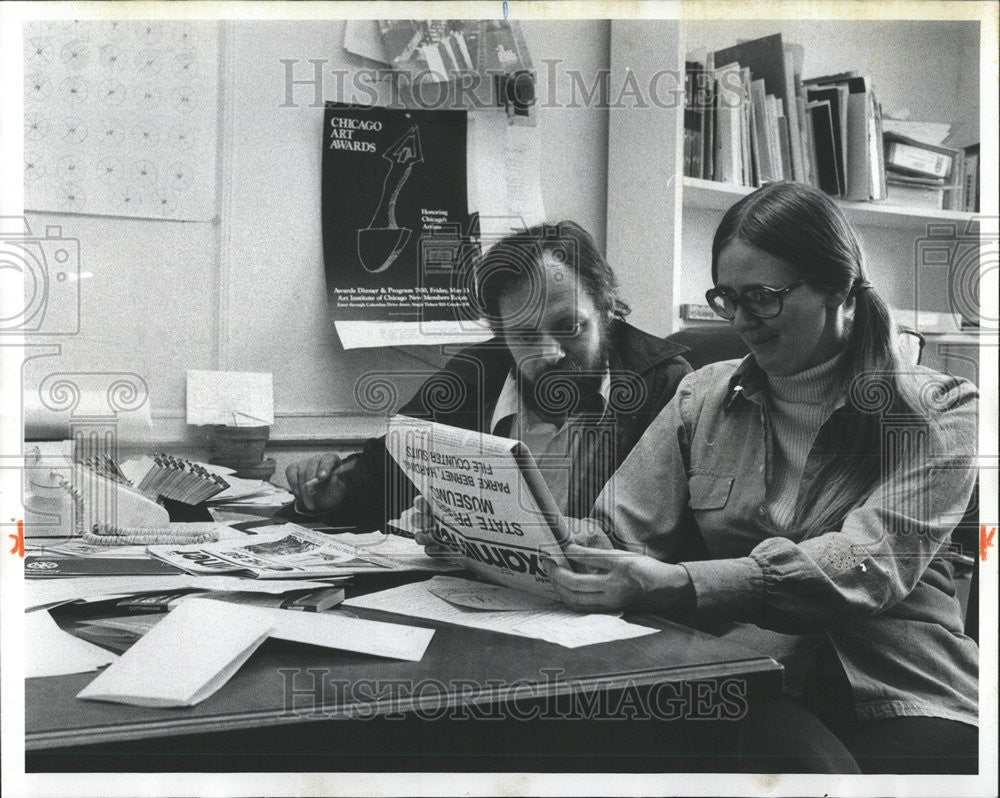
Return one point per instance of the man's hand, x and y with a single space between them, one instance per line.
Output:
316 482
623 579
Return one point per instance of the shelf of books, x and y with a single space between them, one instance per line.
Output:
751 118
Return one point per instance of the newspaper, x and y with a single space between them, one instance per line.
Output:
492 508
291 552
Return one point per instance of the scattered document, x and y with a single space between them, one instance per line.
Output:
240 490
263 495
377 638
50 651
230 398
556 625
171 665
476 596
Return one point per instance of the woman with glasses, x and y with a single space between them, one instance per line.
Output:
824 475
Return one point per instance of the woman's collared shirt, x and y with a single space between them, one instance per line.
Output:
880 587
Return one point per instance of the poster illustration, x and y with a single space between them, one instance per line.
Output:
395 213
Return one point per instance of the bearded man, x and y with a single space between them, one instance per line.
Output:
564 374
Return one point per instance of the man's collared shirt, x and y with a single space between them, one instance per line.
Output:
552 447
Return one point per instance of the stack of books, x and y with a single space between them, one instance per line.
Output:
750 119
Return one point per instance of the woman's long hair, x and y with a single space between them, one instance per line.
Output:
805 228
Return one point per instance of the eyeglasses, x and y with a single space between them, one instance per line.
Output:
758 300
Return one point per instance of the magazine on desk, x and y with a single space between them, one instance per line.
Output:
491 505
289 551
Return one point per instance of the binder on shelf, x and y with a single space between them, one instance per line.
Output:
826 147
708 151
762 131
766 60
837 96
729 115
971 188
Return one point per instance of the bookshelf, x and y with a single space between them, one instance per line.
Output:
927 68
710 195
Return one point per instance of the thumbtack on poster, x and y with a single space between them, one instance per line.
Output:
230 398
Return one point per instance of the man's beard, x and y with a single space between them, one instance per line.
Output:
567 388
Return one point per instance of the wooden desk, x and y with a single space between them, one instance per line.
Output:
289 697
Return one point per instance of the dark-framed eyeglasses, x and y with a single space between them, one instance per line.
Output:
761 301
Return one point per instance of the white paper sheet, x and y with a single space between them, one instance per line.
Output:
49 651
377 638
522 159
232 398
367 334
503 175
185 658
362 37
561 626
201 643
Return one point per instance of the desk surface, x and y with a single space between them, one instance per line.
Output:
286 683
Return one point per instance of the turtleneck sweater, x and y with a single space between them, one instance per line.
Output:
801 403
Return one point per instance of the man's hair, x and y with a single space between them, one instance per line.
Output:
519 258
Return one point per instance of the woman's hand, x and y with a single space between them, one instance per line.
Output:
423 530
623 579
588 533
